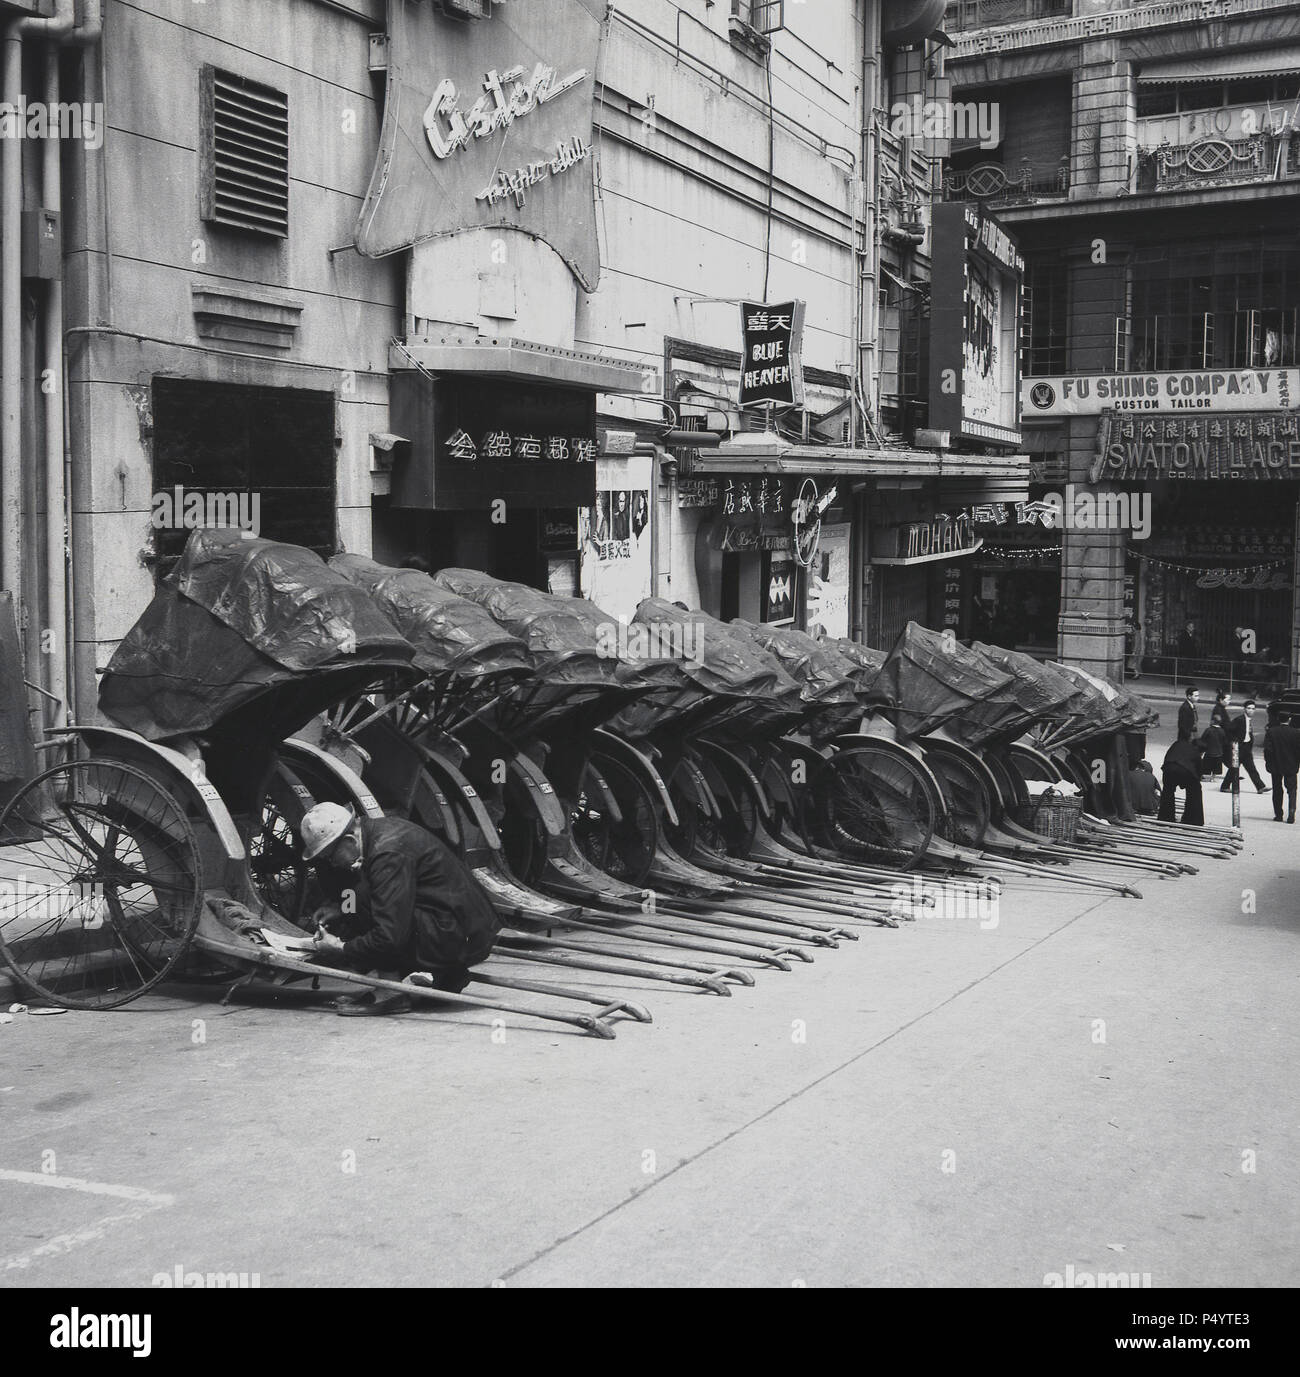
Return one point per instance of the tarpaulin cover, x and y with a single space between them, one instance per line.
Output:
1115 707
250 635
928 679
824 677
562 646
1039 688
451 635
723 661
867 663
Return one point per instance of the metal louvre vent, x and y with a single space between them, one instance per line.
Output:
246 154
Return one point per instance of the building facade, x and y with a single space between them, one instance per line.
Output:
1148 165
462 280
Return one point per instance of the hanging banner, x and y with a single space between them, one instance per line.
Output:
1088 394
1257 446
974 326
773 360
488 122
828 591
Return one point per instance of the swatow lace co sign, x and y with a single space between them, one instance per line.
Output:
489 124
1255 445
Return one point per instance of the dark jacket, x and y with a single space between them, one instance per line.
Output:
1281 750
1143 790
1237 732
1220 717
1184 755
417 905
1187 721
1214 742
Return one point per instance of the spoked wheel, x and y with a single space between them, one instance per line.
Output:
279 872
969 812
592 822
100 884
633 841
875 804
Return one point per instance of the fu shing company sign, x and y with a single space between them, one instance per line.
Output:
974 327
489 124
1209 390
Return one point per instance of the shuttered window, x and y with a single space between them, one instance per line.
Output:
245 154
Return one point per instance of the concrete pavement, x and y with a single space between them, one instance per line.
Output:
1094 1082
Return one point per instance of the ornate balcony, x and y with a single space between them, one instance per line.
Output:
991 184
1216 161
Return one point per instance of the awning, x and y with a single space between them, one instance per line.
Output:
1222 67
517 358
766 453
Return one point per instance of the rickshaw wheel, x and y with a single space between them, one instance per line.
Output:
875 803
630 852
100 884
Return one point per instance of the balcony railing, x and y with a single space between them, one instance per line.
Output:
1214 161
1216 339
965 16
994 185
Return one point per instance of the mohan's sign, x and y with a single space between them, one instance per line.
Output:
1208 390
1250 445
489 124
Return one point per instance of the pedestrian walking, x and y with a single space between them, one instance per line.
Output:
1216 734
1282 761
1182 770
1189 723
1242 732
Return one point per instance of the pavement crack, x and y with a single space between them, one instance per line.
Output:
792 1097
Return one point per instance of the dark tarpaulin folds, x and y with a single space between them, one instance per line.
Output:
866 663
560 643
1107 706
250 639
451 635
824 677
1041 690
723 661
928 680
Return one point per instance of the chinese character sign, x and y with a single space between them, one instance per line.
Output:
772 367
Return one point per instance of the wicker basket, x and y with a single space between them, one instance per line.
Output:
1054 816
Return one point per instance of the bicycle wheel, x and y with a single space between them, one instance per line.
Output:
873 803
100 884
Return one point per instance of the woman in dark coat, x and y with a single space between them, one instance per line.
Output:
1218 734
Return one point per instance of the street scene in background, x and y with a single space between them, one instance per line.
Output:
723 577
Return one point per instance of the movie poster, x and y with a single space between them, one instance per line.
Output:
616 536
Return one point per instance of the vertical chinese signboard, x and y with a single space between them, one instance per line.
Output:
974 327
772 370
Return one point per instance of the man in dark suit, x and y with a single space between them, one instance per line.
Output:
1282 761
1188 717
1241 731
1182 770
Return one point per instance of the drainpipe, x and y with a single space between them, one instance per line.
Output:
11 382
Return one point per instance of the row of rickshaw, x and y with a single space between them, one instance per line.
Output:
676 801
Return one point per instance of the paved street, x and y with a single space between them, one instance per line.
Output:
1098 1083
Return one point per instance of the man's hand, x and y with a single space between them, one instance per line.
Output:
327 914
326 941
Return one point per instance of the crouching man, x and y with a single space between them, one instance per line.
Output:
401 899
